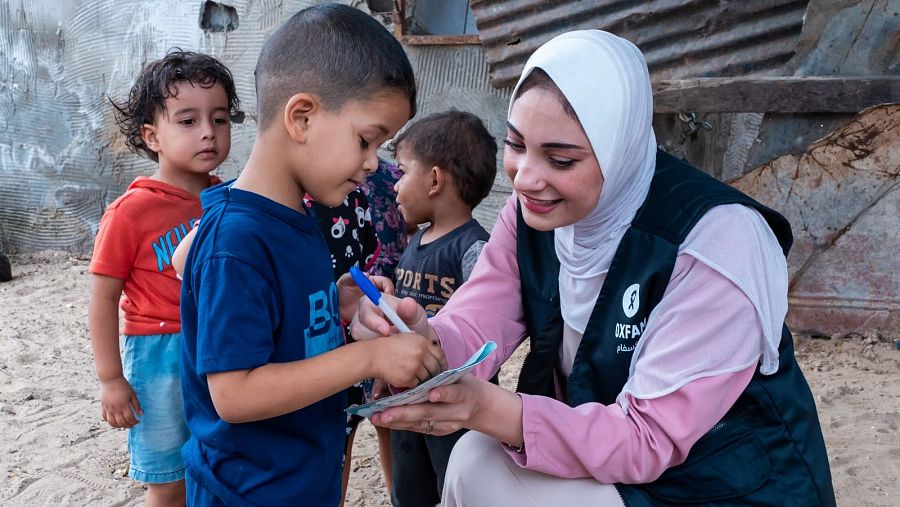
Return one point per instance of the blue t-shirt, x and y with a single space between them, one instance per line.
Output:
258 288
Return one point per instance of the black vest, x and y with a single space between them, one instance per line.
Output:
768 449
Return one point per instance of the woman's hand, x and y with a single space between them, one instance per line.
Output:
370 322
349 294
470 403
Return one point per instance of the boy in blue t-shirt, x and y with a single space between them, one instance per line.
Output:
263 372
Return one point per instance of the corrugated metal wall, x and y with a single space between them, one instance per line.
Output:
839 38
679 38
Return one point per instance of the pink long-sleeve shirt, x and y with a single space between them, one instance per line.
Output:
636 440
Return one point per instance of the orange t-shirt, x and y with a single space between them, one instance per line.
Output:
138 234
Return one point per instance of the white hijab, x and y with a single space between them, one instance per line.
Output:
605 79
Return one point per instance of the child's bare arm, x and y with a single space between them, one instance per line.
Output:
181 252
280 388
117 399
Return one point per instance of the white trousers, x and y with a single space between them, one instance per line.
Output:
480 473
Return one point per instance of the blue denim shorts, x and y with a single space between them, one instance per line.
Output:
152 365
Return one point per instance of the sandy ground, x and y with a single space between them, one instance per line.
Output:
55 450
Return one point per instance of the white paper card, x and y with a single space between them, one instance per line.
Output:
419 393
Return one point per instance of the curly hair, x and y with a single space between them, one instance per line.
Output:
157 82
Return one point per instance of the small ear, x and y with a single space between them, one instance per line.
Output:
298 112
148 135
438 180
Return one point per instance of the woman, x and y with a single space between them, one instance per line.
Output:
660 369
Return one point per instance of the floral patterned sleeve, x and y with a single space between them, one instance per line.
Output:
348 232
389 226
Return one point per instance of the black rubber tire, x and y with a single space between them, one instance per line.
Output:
5 269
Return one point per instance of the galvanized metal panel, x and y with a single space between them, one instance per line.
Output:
842 197
456 77
62 160
679 38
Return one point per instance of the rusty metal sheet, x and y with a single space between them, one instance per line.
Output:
839 38
842 198
679 38
859 38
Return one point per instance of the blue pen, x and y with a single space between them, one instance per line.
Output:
374 296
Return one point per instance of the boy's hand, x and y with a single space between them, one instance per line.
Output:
349 293
119 403
406 360
380 389
370 322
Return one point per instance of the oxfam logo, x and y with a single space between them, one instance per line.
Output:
631 300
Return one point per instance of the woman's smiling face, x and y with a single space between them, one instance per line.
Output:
550 161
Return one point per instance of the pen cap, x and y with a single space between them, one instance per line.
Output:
365 284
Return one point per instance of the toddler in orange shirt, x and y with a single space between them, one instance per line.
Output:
178 113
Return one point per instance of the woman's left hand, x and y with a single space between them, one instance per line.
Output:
470 403
349 293
448 409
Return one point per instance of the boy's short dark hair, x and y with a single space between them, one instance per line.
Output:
156 83
337 52
459 143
